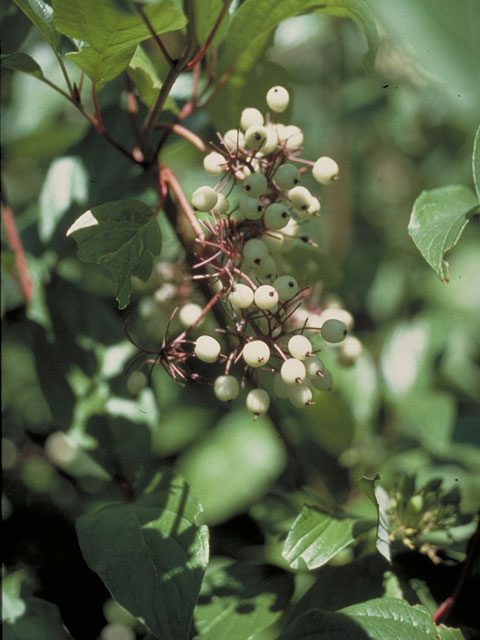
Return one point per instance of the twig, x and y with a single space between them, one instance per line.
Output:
210 37
184 133
168 177
156 37
25 282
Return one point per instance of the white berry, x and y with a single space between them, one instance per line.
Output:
273 240
255 137
189 313
299 347
204 198
207 348
221 205
300 197
234 139
325 170
333 330
258 401
286 286
214 163
293 371
226 388
266 297
256 353
250 117
136 381
241 296
292 136
314 366
350 350
278 99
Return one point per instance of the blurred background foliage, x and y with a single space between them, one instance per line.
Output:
410 404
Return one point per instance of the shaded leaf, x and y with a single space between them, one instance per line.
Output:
476 162
21 62
316 536
379 619
111 35
379 497
13 606
122 235
437 221
151 554
205 14
41 14
66 182
238 600
145 77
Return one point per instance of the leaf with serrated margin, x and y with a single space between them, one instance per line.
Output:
316 536
437 220
255 19
476 162
21 62
41 14
111 35
122 235
151 554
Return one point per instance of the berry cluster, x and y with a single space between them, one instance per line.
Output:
249 220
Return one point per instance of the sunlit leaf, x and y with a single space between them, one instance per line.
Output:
151 554
437 220
121 235
143 73
316 536
111 35
41 14
379 497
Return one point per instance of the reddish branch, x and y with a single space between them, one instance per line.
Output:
25 282
167 177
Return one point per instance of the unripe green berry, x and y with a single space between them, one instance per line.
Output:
333 331
251 208
274 240
322 382
276 216
241 296
300 395
266 269
204 198
278 99
136 382
256 353
255 137
266 297
300 197
325 170
299 347
255 185
287 176
286 286
254 251
258 401
293 371
226 388
314 366
250 117
207 348
214 163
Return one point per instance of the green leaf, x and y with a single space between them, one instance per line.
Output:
111 35
151 554
144 75
66 183
254 20
205 14
238 600
121 235
379 619
476 162
380 499
40 621
13 606
41 14
21 62
316 536
437 221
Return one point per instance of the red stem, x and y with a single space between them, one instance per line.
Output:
193 63
155 37
167 176
25 282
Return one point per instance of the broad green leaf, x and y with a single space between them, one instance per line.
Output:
66 183
40 621
151 554
476 162
21 62
379 619
379 497
437 221
254 20
238 600
445 633
205 14
121 235
13 605
111 35
41 14
143 73
316 536
234 465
